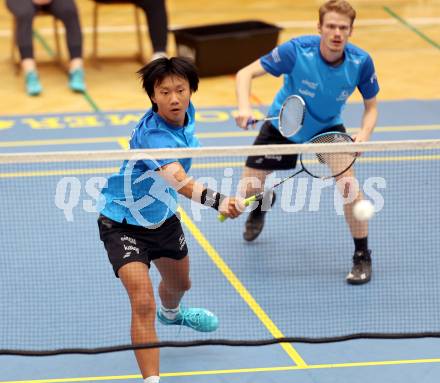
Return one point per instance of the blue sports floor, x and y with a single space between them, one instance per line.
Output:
357 361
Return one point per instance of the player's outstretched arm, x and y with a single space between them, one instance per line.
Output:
176 176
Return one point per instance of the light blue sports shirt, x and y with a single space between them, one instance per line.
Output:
324 88
138 193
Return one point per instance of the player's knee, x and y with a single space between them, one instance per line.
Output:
143 306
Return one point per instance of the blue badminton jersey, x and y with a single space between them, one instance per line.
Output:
138 193
324 88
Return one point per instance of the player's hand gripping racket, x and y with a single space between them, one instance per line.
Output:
291 116
318 165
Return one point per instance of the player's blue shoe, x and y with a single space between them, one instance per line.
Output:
33 85
196 318
76 80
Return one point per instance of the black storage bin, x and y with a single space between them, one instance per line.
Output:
219 49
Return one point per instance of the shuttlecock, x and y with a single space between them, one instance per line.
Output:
363 210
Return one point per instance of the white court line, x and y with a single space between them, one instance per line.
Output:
291 24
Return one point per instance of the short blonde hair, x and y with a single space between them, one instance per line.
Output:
339 6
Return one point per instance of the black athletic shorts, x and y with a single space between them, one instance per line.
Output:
269 135
127 243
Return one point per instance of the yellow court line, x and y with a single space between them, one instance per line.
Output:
60 172
434 157
213 165
421 157
245 133
249 133
409 128
240 288
236 371
306 367
210 165
62 141
124 143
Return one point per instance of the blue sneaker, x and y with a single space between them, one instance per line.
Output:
76 80
33 86
198 319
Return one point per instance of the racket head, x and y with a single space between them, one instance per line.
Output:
292 115
328 165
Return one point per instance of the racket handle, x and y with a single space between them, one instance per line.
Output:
252 121
221 217
250 200
247 202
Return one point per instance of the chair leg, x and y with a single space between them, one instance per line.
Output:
95 35
57 43
141 56
15 62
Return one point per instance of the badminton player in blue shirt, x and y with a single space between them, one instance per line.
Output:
139 224
324 70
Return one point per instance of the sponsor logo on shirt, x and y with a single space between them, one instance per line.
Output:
373 78
343 96
306 92
276 55
310 84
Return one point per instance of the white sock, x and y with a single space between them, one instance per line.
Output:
170 314
152 379
158 55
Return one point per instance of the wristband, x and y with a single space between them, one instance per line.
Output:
211 198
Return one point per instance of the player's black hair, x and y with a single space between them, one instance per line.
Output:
156 71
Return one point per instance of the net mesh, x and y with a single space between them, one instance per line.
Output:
59 293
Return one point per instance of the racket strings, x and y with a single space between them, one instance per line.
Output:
327 165
291 116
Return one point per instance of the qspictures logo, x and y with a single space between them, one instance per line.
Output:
295 195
